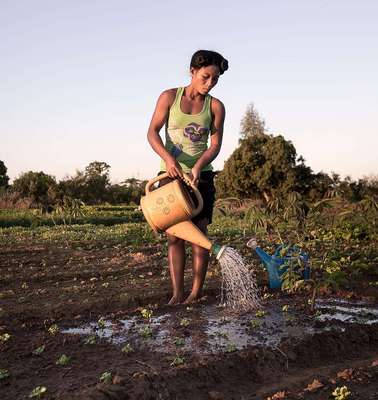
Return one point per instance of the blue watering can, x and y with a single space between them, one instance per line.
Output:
274 263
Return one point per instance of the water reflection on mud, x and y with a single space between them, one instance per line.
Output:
206 329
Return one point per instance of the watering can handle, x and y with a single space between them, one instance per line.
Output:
186 179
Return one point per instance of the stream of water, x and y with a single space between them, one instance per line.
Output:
239 286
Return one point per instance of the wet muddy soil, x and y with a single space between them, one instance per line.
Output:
104 308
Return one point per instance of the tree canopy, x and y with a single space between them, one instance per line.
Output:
4 178
263 165
38 186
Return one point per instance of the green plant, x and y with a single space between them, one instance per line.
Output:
177 360
258 218
230 348
68 210
90 339
4 373
53 329
127 349
63 360
146 313
146 332
260 313
101 323
220 334
341 393
38 392
106 377
184 322
4 337
254 323
179 341
39 350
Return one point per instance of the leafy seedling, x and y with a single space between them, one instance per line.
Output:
220 334
230 348
184 322
260 313
179 342
146 313
146 332
4 373
39 350
127 349
341 393
63 360
53 329
254 323
4 337
101 323
106 377
38 392
178 360
90 339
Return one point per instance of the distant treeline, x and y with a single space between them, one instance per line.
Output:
263 166
92 186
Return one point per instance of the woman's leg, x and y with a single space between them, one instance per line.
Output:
200 261
176 262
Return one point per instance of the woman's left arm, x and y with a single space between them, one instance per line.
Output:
219 113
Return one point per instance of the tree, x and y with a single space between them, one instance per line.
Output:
262 166
97 182
40 187
91 185
251 124
129 191
4 178
73 186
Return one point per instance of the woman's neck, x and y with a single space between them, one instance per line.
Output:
192 93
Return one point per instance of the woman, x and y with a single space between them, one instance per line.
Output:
191 115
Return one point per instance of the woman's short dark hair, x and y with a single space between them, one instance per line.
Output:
204 58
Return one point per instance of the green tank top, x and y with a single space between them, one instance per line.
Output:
186 135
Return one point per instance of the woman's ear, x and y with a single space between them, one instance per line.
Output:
192 71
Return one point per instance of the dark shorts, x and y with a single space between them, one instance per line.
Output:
207 189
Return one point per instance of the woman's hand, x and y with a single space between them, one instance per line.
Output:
174 169
195 176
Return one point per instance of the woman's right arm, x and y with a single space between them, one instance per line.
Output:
159 118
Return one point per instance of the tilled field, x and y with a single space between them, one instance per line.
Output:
104 308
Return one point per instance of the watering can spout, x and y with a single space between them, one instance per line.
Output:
186 230
264 257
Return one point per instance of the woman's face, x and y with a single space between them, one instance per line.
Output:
205 78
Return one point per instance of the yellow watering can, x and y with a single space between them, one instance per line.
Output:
169 209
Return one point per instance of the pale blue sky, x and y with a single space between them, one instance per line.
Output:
79 79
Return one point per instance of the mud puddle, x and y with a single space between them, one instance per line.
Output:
210 329
338 310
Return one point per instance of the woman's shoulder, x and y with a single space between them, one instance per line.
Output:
168 96
217 105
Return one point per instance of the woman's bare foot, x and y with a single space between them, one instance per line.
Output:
175 300
192 298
